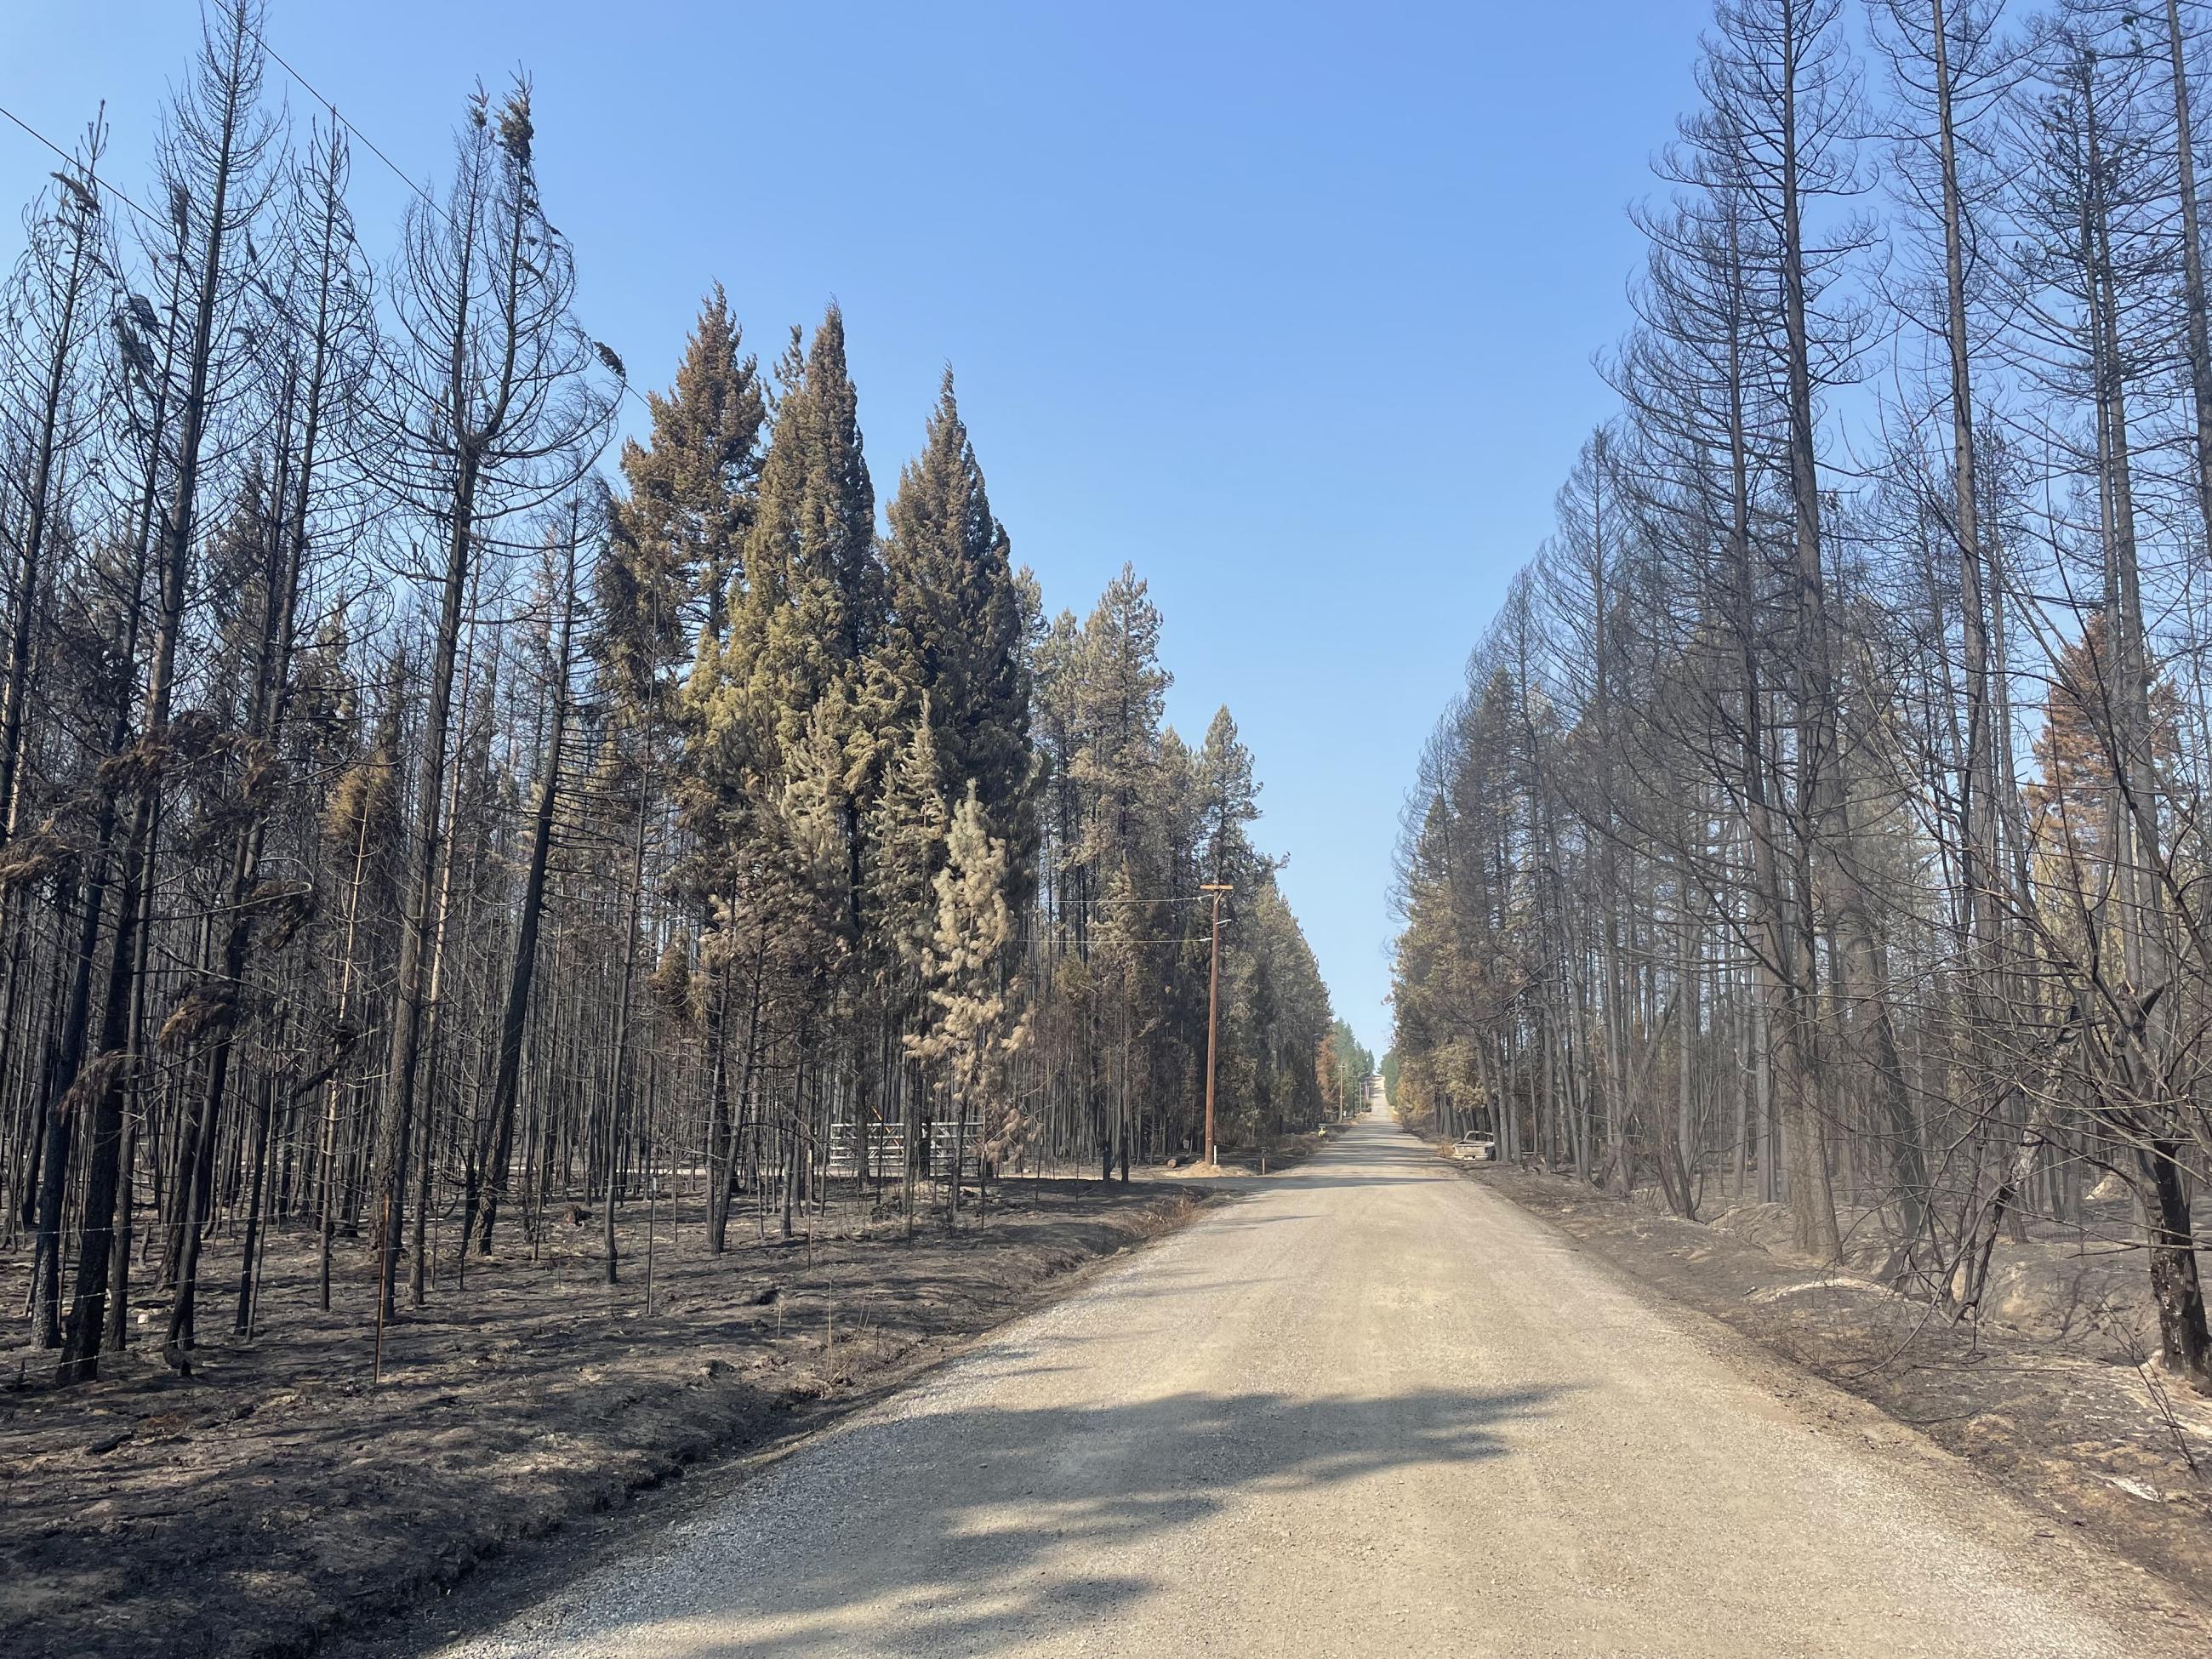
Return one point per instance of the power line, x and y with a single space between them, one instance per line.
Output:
96 184
331 105
1194 898
307 86
99 187
622 381
1114 944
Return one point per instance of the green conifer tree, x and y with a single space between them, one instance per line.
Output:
955 627
812 589
680 531
969 1035
1228 800
907 850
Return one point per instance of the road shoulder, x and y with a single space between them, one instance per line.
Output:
525 1423
2081 1471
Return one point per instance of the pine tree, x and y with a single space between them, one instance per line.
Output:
692 486
954 629
907 850
811 592
1121 689
968 1033
518 422
1228 799
219 141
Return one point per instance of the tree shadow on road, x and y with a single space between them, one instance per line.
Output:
1371 1161
1426 1169
972 1530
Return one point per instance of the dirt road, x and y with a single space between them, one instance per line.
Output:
1367 1409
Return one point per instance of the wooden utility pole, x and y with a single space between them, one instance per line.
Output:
1213 1008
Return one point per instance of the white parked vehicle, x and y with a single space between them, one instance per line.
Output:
1475 1149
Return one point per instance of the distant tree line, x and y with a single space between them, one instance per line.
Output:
408 829
1825 817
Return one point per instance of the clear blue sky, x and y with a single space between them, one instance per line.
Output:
1290 305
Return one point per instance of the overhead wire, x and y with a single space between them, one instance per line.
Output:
309 86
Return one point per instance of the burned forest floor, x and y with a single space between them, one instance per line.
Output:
280 1495
2058 1407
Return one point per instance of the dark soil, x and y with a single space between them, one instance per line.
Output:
2087 1437
280 1495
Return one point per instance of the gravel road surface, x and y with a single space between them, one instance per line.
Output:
1367 1408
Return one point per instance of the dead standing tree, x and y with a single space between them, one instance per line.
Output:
213 164
51 314
500 408
314 296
